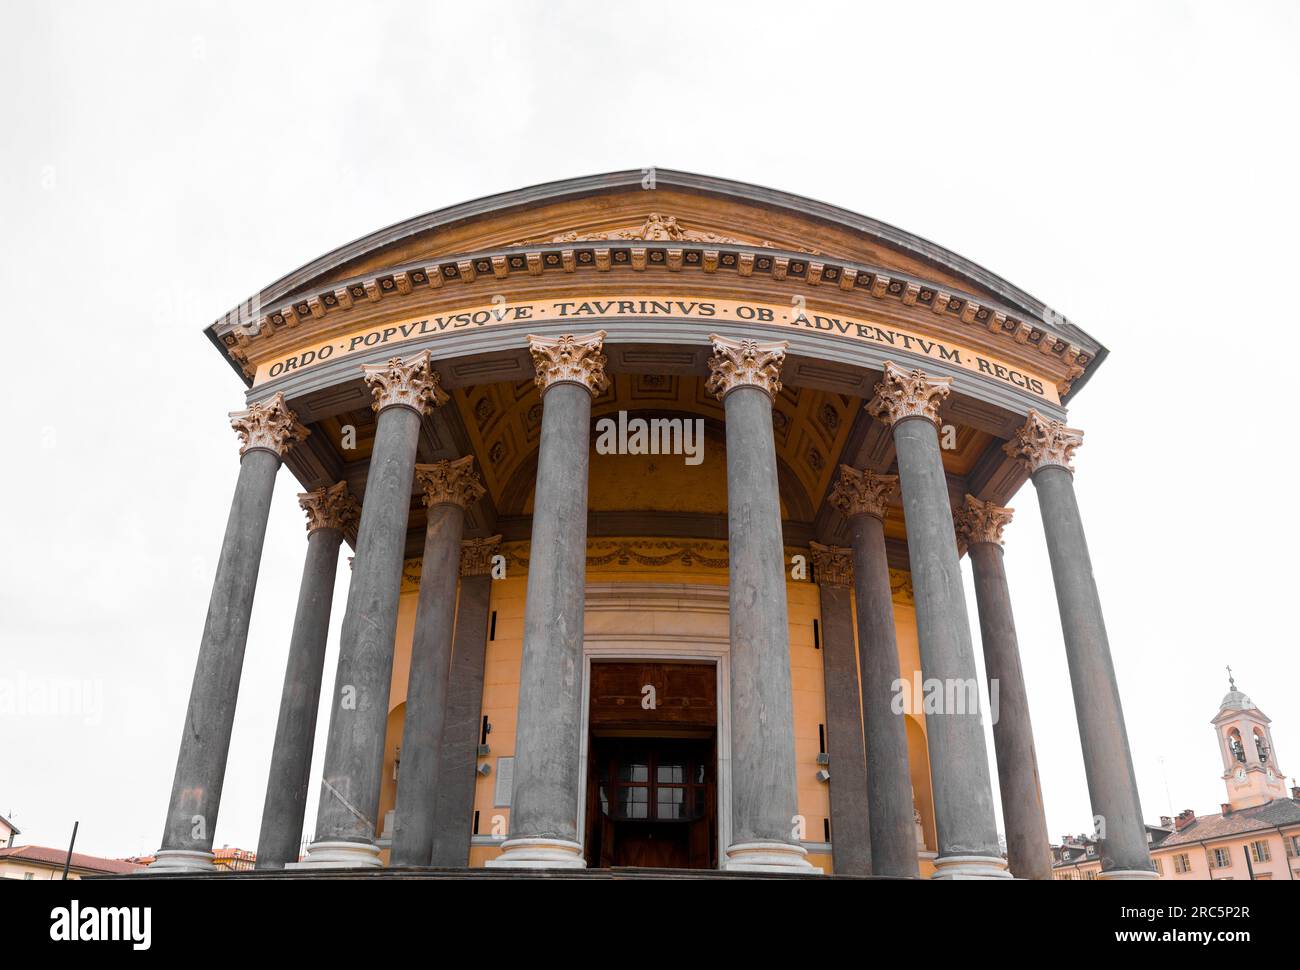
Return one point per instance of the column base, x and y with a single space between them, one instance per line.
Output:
339 855
953 867
182 860
539 854
769 857
1118 874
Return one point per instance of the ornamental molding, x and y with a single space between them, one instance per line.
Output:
908 394
976 521
656 228
570 360
331 507
450 482
862 492
241 330
900 587
637 554
476 555
411 383
268 426
745 363
832 565
1044 441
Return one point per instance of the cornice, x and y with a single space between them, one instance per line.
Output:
243 329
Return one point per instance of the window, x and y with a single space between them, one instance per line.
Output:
1219 859
1182 863
1090 874
657 785
1261 876
1292 843
1160 865
1259 851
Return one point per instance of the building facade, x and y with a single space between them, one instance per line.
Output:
657 486
1254 835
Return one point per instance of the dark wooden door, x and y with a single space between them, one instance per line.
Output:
655 800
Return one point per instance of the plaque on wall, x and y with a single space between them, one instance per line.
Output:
505 781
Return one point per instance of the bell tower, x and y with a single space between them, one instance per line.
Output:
1250 769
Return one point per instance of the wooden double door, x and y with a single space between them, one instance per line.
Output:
652 766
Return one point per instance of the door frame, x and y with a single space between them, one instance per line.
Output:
706 646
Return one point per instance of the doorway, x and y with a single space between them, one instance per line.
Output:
652 766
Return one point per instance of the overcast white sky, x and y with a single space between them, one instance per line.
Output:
1134 165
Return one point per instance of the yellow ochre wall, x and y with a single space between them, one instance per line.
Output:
504 652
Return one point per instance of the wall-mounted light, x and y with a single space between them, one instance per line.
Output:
823 775
485 768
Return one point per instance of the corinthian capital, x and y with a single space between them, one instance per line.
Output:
745 363
450 482
908 394
409 383
862 492
268 425
1043 441
570 360
832 565
978 521
331 507
476 555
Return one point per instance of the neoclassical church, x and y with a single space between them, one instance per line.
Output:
657 488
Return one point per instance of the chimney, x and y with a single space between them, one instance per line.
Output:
1226 809
1295 793
1166 822
1185 818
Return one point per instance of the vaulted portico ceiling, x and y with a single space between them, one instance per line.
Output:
718 235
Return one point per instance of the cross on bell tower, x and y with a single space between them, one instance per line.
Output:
1250 769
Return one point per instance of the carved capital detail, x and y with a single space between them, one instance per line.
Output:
450 483
570 360
1042 441
409 383
476 555
745 363
977 521
331 507
268 425
832 565
906 394
862 492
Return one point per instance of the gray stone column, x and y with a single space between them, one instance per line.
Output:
330 512
745 375
458 753
1046 447
1029 852
547 784
963 791
354 754
449 488
862 497
267 430
850 827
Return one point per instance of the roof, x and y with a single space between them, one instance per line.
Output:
1270 815
297 282
43 855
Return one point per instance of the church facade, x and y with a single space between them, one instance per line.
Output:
657 486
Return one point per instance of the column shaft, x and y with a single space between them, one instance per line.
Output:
458 755
963 793
544 803
764 799
850 828
889 778
426 693
1029 853
287 786
1112 785
205 743
354 755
